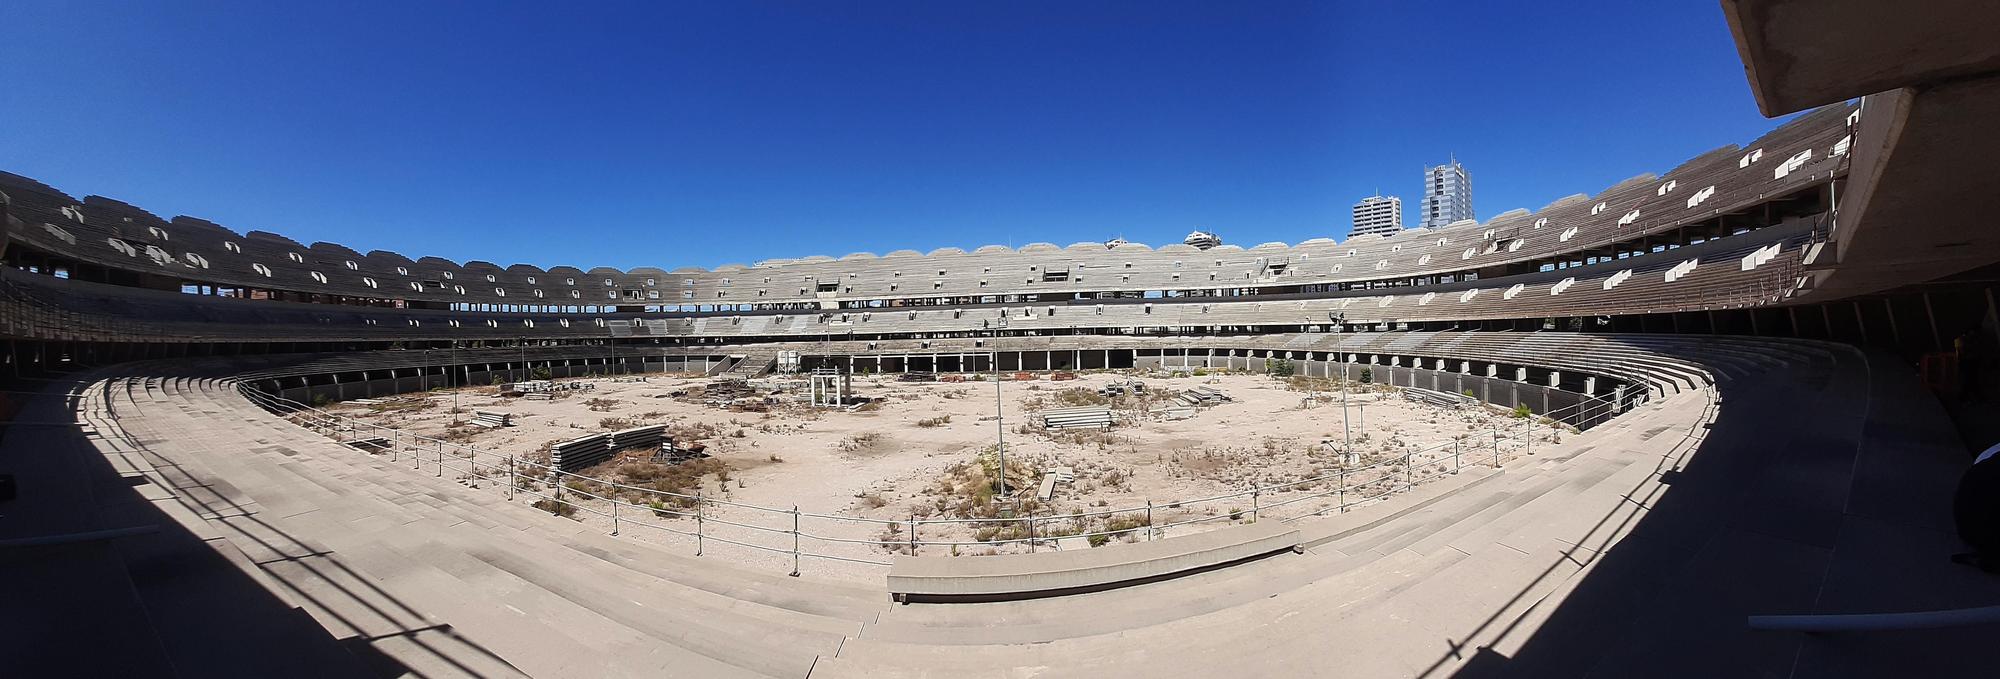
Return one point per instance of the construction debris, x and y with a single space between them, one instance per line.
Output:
1077 418
1202 397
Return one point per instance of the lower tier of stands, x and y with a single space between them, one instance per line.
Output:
1786 477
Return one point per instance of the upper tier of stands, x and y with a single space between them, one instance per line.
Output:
1756 268
1805 152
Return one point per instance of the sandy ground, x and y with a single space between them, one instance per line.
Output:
879 466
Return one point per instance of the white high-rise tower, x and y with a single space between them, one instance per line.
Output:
1377 216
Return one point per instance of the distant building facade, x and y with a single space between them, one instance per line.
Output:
1377 216
1447 195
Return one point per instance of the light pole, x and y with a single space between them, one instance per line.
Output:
1345 431
453 377
999 421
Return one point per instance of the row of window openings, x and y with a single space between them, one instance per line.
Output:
76 214
1047 277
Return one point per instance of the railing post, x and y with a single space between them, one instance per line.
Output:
1531 434
1496 446
1343 490
1149 520
697 522
795 541
558 501
1409 474
513 478
614 515
472 476
1253 503
395 442
1031 531
440 460
913 533
1457 463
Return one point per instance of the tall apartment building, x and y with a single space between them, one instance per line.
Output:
1377 216
1447 195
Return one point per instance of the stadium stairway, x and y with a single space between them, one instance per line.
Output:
752 362
408 567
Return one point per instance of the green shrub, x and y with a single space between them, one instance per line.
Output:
1099 540
1367 375
1279 367
1521 411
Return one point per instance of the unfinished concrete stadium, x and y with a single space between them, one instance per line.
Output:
1686 425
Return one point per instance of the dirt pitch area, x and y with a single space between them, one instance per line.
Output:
925 451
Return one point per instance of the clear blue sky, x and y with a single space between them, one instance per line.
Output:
672 134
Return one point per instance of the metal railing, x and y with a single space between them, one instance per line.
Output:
794 534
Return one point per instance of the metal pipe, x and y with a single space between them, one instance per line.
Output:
1876 622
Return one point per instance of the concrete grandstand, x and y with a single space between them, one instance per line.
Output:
1732 342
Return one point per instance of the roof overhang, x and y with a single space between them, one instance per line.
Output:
1804 53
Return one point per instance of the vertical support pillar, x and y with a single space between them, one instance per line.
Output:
795 541
1031 531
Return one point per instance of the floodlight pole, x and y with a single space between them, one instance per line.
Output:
453 379
999 423
1345 430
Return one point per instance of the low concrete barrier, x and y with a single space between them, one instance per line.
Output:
939 579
